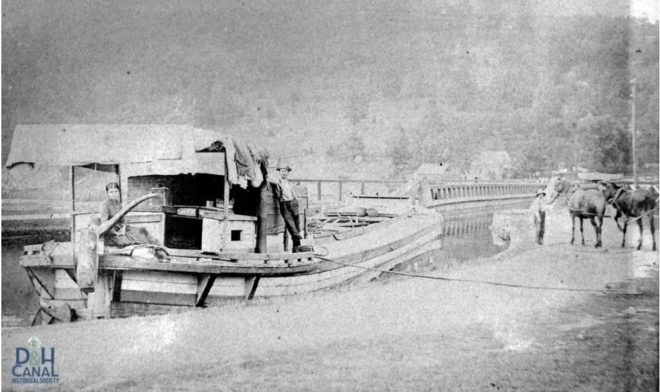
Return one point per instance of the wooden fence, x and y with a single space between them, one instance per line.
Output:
323 190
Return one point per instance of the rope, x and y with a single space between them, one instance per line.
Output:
485 282
587 213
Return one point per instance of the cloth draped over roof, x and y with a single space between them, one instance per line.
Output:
138 149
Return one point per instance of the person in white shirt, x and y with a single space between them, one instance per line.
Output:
538 209
289 208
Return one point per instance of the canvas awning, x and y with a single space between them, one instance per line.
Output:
142 149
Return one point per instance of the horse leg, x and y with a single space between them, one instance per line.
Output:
600 220
652 224
582 228
595 225
572 229
625 228
641 232
600 228
616 219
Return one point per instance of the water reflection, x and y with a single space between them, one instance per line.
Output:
466 237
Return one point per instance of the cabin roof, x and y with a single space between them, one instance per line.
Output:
141 149
596 176
75 144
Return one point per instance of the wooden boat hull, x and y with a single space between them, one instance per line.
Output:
136 283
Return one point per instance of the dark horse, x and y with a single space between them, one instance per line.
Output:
631 205
583 204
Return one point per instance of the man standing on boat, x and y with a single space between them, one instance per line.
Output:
286 195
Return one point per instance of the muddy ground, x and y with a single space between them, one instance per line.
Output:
589 324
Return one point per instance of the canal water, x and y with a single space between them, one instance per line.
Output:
466 237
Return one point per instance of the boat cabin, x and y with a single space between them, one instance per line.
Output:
208 185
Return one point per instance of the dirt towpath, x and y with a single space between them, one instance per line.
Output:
402 334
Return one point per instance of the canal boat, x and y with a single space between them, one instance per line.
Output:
205 198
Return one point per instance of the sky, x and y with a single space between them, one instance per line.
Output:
646 9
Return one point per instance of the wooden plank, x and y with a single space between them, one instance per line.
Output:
127 309
43 280
36 262
227 281
98 301
142 217
187 211
251 285
160 287
225 286
71 274
77 304
203 287
157 276
64 280
226 292
126 263
147 297
238 255
116 285
218 214
68 294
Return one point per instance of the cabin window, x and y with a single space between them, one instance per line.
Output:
236 235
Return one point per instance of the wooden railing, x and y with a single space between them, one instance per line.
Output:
466 190
456 192
342 188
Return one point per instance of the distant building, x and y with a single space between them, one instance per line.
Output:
491 165
431 170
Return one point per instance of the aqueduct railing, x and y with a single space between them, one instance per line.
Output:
430 194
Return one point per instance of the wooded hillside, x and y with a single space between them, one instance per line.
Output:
349 89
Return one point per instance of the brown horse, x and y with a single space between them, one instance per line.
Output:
632 205
582 204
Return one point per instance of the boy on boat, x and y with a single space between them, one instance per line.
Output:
120 234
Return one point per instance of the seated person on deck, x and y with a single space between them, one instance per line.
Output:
120 234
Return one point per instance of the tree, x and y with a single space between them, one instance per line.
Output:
403 157
603 143
351 148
